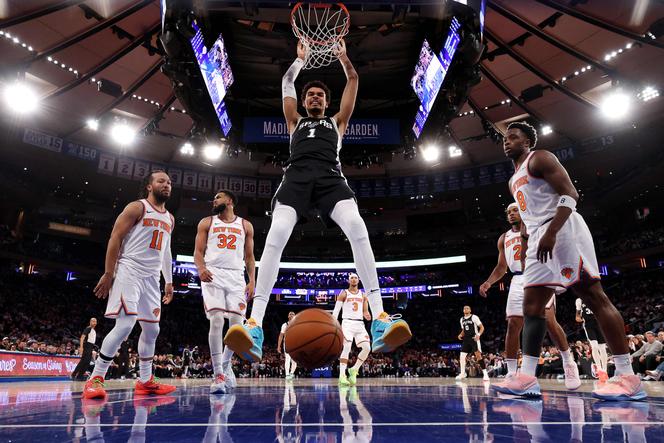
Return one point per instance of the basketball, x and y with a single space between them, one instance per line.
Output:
314 339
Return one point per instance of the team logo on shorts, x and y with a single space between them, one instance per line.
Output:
242 306
156 312
567 272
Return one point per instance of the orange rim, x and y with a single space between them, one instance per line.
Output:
305 37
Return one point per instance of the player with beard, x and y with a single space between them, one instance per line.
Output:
560 255
510 258
139 248
224 248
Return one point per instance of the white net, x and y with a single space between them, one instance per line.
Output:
320 27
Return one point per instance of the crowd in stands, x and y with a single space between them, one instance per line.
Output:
47 314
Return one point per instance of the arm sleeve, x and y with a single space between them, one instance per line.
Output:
288 81
578 304
167 264
337 309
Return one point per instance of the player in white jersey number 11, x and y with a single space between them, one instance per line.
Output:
224 248
560 255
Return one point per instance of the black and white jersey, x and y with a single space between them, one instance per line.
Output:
315 139
470 326
586 313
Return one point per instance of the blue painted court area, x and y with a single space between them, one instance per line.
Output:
319 411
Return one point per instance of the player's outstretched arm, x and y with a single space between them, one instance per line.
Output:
200 245
131 214
350 91
500 269
288 88
249 259
546 165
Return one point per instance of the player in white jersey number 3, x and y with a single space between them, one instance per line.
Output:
224 245
560 255
354 308
138 250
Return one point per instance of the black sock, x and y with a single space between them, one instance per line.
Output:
534 329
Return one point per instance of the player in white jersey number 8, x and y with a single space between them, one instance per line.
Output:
560 255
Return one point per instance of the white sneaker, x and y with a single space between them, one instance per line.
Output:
231 381
572 380
461 376
218 386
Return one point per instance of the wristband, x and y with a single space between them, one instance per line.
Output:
567 202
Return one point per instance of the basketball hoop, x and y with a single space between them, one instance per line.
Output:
320 27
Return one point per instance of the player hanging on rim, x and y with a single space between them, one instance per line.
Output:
597 342
510 257
560 255
355 311
224 248
313 180
139 248
290 365
471 331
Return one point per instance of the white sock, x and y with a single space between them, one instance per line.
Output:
109 347
603 356
216 341
623 364
226 357
529 365
101 367
567 356
512 365
145 370
462 372
342 368
284 219
347 215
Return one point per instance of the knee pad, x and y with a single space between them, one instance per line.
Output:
149 332
217 322
365 349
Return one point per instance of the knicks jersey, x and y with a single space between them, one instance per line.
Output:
225 245
513 251
142 250
353 306
315 139
536 199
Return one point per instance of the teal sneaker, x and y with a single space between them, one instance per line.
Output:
388 332
246 340
352 376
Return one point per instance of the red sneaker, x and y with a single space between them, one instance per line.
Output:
94 388
152 387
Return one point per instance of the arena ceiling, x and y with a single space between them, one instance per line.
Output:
550 60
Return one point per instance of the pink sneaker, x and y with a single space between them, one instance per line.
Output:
519 384
621 387
572 380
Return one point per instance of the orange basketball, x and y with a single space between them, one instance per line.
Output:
314 339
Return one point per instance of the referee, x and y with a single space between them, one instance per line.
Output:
87 345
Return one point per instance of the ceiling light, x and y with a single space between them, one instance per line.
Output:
212 152
187 149
431 153
615 105
547 129
92 124
454 151
122 134
648 93
21 98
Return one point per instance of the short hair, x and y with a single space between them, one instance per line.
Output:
317 84
230 195
143 192
531 132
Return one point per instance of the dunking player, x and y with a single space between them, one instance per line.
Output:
471 330
224 247
355 311
594 334
289 365
510 257
139 248
313 179
560 255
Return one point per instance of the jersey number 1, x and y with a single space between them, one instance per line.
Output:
157 238
312 133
